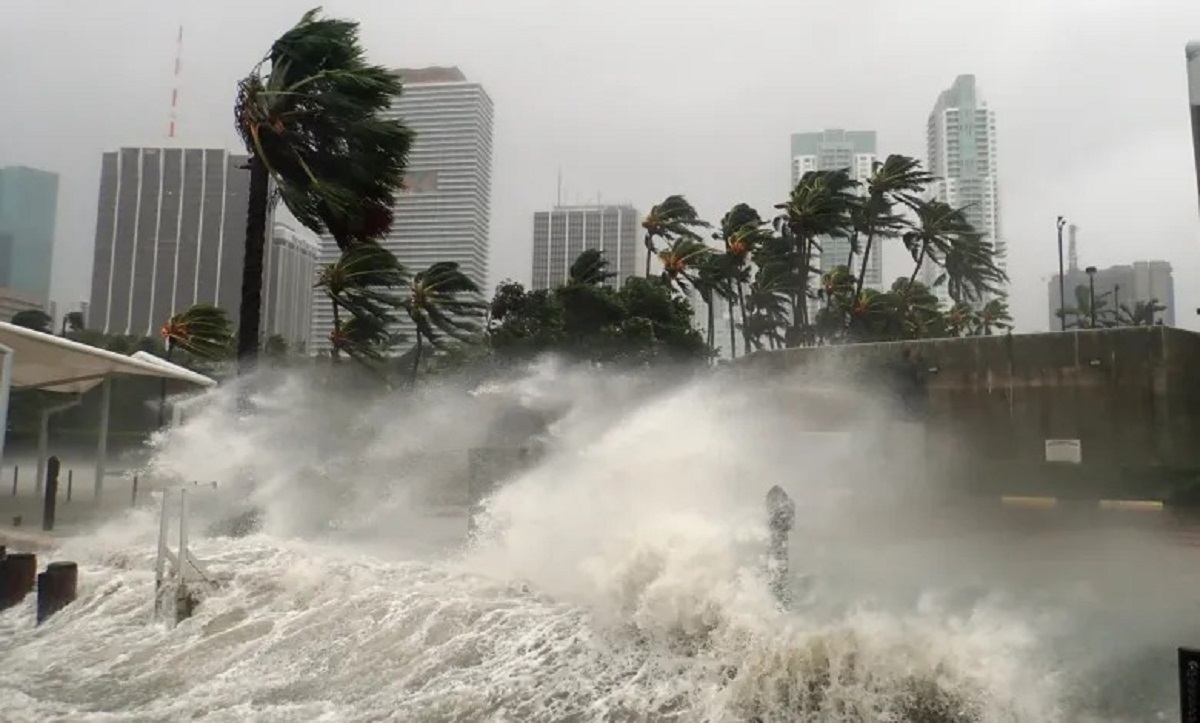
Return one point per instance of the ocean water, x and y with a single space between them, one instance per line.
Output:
619 579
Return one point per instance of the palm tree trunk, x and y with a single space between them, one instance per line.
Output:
417 359
862 272
920 260
711 338
250 312
745 328
334 352
732 331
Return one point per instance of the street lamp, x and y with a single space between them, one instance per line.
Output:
1062 288
1091 272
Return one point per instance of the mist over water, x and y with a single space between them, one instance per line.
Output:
618 579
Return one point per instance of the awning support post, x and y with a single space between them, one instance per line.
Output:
102 442
5 385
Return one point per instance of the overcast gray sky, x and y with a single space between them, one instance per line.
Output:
636 99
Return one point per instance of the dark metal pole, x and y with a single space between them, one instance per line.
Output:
1062 287
1092 298
1117 304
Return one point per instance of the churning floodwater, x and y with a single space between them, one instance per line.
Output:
620 578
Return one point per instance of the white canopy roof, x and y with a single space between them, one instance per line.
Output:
55 364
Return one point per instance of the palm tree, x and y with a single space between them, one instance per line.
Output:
896 179
960 319
442 301
993 316
1142 313
680 261
310 115
672 220
359 282
590 268
742 233
972 273
767 302
938 227
203 331
819 206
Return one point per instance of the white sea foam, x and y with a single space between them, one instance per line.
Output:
617 580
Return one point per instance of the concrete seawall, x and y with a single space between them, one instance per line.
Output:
1120 408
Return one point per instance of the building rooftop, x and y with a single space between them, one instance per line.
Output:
432 74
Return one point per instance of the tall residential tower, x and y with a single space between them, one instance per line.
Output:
834 150
560 235
444 212
961 135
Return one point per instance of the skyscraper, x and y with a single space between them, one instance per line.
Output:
560 235
1192 52
834 150
961 135
170 233
444 212
289 275
28 204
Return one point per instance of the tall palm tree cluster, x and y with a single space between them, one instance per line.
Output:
766 273
313 118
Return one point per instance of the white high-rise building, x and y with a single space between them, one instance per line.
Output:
961 135
834 150
445 210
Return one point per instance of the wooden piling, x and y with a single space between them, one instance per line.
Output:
16 472
70 483
133 495
50 503
18 573
57 588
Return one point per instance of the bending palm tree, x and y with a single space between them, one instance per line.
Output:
203 331
313 125
358 282
589 268
897 179
819 206
742 232
442 301
938 228
672 220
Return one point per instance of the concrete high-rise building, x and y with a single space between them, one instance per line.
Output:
444 212
560 235
961 136
170 233
1192 52
1116 287
834 150
28 205
290 271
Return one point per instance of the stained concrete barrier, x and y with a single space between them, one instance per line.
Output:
18 573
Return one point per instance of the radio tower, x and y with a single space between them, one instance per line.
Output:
175 83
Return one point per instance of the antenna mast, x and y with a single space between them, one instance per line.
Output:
175 84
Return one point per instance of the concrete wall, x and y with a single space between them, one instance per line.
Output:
1131 396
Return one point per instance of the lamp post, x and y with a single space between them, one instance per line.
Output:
1091 272
1117 304
1062 287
